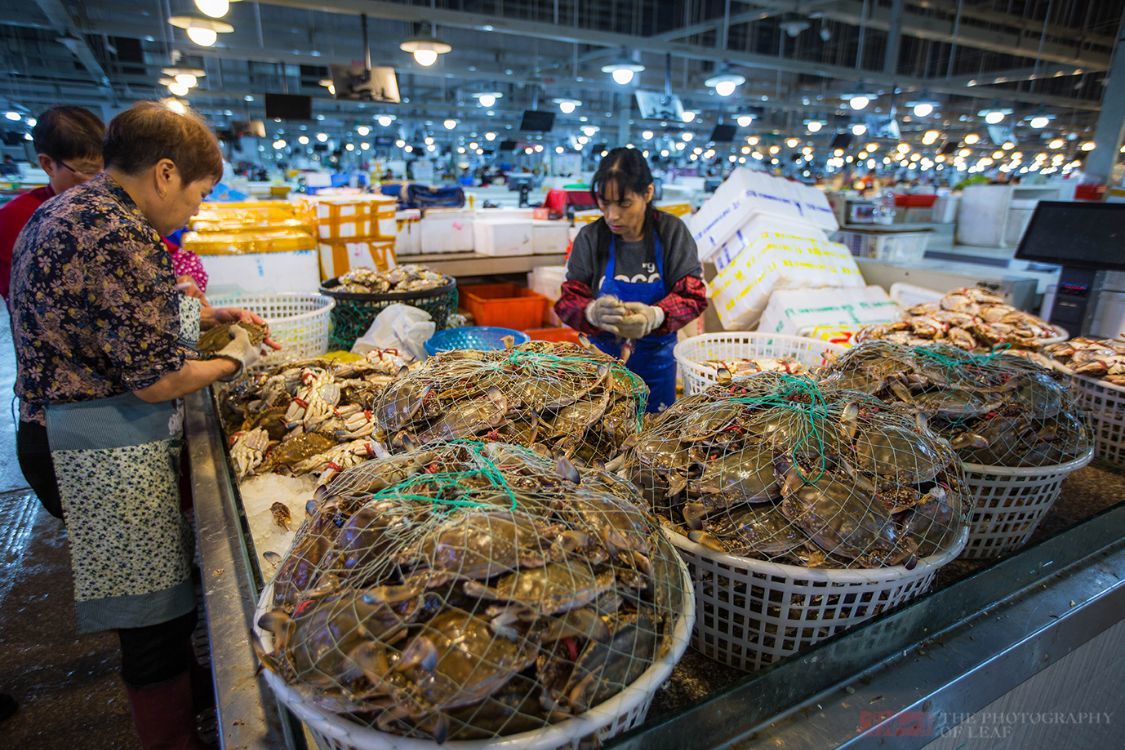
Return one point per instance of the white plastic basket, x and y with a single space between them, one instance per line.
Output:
621 713
1060 336
691 353
751 613
299 321
1009 502
1105 406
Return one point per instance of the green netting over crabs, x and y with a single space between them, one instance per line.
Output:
996 409
561 399
773 467
471 590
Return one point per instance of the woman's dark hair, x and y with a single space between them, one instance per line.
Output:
628 169
147 132
66 133
625 168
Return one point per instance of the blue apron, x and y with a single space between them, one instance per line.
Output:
652 358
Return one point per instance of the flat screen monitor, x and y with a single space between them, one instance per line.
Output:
365 84
723 133
1076 234
656 105
841 140
537 121
288 106
508 145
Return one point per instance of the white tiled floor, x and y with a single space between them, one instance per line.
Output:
10 476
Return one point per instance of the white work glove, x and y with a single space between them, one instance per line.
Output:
605 313
640 320
241 350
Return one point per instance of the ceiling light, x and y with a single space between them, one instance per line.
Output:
203 31
426 49
871 147
214 8
488 98
349 147
1008 145
792 142
686 136
647 135
407 149
994 115
365 146
567 106
903 148
623 69
930 137
923 109
689 116
744 121
1040 121
490 136
589 130
174 105
725 81
814 126
385 120
31 122
428 140
971 139
859 101
303 140
558 149
399 143
753 140
774 150
321 137
450 124
859 129
1087 146
178 88
1056 143
362 130
279 144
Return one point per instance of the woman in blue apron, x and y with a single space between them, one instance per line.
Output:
633 276
101 335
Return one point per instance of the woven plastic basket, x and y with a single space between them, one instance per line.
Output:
1105 405
691 353
473 337
751 613
354 313
621 713
1009 502
298 321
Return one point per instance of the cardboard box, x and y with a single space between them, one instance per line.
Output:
502 237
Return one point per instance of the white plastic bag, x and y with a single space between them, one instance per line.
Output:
400 327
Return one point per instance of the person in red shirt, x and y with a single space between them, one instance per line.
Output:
68 142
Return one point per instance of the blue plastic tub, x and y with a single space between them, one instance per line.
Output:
472 337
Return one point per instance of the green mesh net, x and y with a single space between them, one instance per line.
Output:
995 408
558 398
471 590
775 467
356 311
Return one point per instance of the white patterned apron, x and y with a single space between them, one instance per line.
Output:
117 463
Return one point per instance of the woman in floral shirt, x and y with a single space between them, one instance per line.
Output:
101 335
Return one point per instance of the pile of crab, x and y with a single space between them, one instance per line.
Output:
557 398
310 416
773 467
1101 359
472 590
740 366
995 409
971 319
407 278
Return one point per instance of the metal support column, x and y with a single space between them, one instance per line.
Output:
1111 119
624 109
894 40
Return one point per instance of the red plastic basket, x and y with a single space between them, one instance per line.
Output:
508 305
553 334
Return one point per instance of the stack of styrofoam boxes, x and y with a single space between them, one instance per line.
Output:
447 230
255 246
503 231
547 280
765 233
355 231
408 240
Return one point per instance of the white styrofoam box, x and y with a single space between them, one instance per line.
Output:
945 209
502 237
525 214
547 280
408 241
447 230
747 193
347 206
549 237
297 271
758 228
791 311
777 260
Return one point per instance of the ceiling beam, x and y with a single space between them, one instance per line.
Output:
73 40
542 30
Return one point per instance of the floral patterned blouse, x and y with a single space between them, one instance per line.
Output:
95 311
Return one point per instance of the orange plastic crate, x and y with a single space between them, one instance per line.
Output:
508 305
553 334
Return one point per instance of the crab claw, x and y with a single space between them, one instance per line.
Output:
706 540
849 420
567 470
280 625
694 513
421 653
968 440
723 376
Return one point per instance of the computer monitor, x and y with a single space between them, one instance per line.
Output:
1077 234
841 140
288 107
537 121
723 133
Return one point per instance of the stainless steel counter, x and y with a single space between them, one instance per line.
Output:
915 676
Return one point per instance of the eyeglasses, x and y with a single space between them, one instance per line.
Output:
78 172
